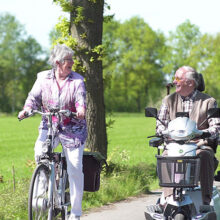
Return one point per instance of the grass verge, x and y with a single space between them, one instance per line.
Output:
117 183
131 162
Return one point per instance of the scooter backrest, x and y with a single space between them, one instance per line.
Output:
201 84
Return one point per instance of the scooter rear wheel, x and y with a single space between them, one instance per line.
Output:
179 216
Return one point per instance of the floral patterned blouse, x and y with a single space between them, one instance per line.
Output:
46 94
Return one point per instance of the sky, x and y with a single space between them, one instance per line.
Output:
40 16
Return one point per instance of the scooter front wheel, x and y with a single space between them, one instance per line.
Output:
179 216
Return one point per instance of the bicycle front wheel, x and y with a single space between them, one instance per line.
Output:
40 206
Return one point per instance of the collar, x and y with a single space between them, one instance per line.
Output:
190 96
51 75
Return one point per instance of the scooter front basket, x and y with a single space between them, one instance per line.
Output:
178 172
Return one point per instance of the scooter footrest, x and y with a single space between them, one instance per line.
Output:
154 209
148 216
207 216
206 208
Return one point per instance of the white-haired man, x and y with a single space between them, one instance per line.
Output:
188 99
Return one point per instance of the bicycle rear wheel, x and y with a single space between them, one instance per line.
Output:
66 197
38 205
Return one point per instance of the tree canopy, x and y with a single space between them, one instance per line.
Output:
137 62
20 60
133 64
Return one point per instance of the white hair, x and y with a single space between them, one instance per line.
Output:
58 53
191 74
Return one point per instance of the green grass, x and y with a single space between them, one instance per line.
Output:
128 136
131 162
13 205
129 133
16 145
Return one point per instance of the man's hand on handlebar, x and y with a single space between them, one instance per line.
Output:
202 142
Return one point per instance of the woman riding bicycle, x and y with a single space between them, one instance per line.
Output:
61 88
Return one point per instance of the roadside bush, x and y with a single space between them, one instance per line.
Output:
14 203
120 180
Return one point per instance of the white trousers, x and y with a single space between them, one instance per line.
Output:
74 169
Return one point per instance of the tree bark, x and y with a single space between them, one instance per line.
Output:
88 33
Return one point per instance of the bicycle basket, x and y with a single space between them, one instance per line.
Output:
178 171
92 166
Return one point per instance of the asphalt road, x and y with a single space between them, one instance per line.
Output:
130 209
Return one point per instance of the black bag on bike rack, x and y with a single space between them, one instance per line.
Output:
92 166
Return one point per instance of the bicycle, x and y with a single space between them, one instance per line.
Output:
51 173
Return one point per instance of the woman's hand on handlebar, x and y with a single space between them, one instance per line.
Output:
24 113
80 112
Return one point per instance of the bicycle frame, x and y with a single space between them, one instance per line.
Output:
55 201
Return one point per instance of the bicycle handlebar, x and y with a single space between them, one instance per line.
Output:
52 112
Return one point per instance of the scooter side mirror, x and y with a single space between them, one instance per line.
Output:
151 112
214 113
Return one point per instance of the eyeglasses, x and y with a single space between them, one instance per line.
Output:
177 79
68 59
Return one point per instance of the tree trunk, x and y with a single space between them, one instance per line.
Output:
88 33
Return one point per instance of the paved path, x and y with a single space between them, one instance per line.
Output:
130 209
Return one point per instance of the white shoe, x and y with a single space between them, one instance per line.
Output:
73 217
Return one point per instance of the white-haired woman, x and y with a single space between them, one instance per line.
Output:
62 88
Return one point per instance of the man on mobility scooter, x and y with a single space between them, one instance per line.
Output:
189 99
